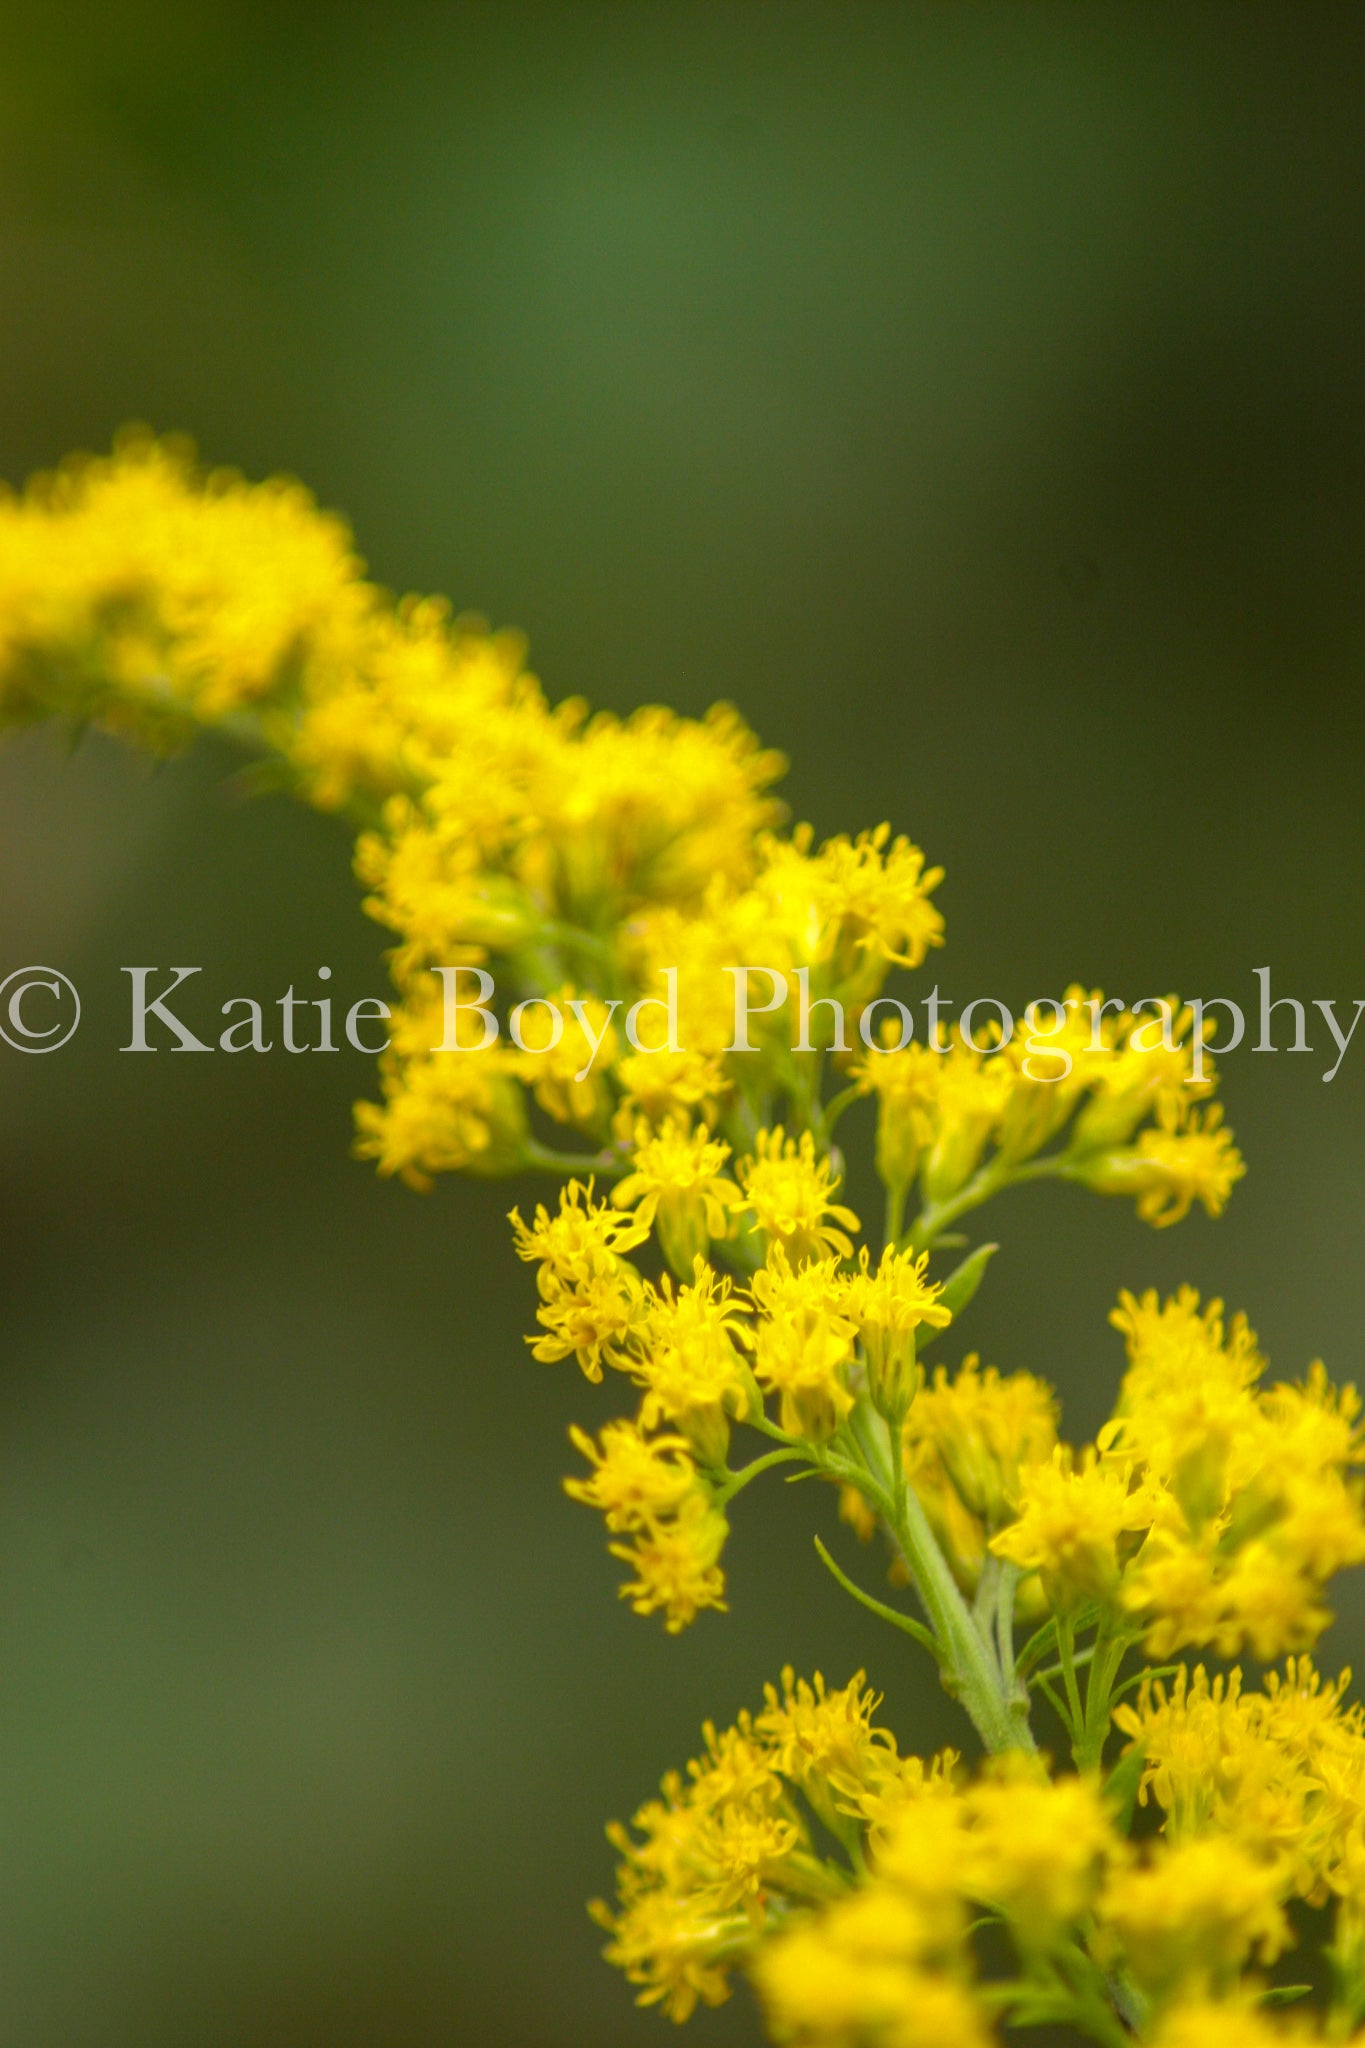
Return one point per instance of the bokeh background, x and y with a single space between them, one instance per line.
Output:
971 393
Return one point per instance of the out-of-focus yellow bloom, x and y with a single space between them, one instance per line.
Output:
569 1041
651 808
1035 1848
1188 1157
1192 1914
133 586
905 1083
436 891
855 1512
454 1112
1237 2021
856 1974
972 1094
685 1086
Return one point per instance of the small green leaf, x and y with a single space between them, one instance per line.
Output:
880 1608
963 1282
1121 1786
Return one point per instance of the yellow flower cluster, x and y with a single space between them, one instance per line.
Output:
1263 1795
948 1112
1280 1772
137 593
869 1940
627 859
686 976
635 858
967 1441
706 1353
1191 1914
719 1860
1212 1510
1240 2021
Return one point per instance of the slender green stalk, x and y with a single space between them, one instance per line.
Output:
1066 1645
539 1158
895 1214
1004 1632
969 1667
1079 1657
736 1482
837 1104
988 1180
880 1608
1056 1702
1110 1648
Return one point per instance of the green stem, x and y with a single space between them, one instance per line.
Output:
1054 1699
1094 2014
1044 1638
879 1607
837 1104
765 1425
1066 1646
1004 1624
983 1609
895 1214
988 1180
735 1482
1149 1671
969 1664
540 1158
1079 1657
1110 1648
970 1671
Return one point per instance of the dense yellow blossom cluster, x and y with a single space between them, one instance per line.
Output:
616 966
582 856
854 1884
1212 1511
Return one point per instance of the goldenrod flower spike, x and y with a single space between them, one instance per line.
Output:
589 915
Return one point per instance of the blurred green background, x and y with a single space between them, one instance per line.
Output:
971 393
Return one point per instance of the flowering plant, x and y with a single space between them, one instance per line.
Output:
611 885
